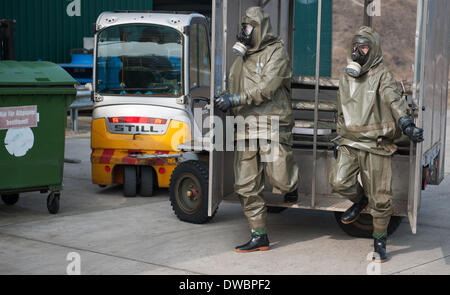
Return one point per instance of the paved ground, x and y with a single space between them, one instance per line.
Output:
117 235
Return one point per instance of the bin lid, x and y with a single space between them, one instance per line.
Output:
38 73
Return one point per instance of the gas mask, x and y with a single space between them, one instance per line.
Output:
244 39
359 57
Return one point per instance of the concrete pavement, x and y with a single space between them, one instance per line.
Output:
117 235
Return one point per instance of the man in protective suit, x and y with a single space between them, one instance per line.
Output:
259 86
371 115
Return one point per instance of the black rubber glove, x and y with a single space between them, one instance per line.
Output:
409 129
226 101
414 133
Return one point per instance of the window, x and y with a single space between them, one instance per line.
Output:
139 59
200 64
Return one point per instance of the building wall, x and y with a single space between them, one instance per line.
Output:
201 6
49 29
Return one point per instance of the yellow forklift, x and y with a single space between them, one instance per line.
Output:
151 69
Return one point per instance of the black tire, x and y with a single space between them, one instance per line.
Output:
147 177
273 209
53 202
129 181
10 199
363 226
189 192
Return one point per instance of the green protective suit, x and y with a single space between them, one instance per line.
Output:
249 178
262 77
369 108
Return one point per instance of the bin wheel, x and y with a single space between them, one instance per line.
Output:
189 192
363 226
53 202
147 175
274 209
10 199
129 181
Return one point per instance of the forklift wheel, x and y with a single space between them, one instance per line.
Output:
363 226
129 181
189 192
10 199
53 202
147 175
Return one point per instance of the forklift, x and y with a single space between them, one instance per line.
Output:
151 70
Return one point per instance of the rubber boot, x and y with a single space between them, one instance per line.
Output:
257 243
379 247
352 213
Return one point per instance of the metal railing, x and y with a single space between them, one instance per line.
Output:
83 101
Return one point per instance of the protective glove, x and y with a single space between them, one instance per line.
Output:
226 101
409 129
414 133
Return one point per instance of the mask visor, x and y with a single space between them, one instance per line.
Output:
247 29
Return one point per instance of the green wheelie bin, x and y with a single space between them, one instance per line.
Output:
34 97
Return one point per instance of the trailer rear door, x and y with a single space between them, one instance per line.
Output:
430 96
226 20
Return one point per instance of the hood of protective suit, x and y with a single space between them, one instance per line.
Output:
263 34
375 53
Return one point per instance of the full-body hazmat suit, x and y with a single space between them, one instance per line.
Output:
259 83
371 115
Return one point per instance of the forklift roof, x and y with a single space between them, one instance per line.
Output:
175 20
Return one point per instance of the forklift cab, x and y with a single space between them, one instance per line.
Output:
151 69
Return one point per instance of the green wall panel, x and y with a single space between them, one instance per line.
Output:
49 29
305 37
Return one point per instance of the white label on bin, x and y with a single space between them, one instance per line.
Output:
19 141
18 117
